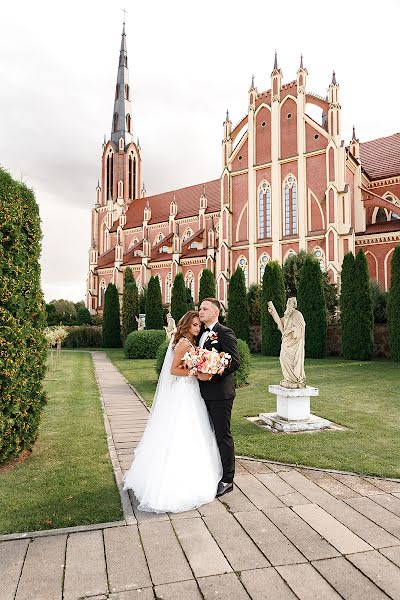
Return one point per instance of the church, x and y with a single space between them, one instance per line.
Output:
288 182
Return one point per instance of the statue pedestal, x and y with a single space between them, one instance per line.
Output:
293 410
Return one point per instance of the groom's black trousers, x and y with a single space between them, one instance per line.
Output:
220 414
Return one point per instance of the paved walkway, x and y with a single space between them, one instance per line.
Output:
283 533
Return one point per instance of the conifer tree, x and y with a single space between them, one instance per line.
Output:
111 318
311 303
363 324
154 309
22 319
273 289
207 285
83 316
238 311
347 305
394 305
178 298
130 304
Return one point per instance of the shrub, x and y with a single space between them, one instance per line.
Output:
311 303
178 298
83 336
291 272
394 305
83 316
363 324
379 302
254 304
243 372
273 289
154 310
143 344
238 311
347 309
130 304
22 319
111 318
161 352
207 286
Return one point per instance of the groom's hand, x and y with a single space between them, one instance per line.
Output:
203 376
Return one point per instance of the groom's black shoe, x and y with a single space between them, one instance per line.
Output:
224 488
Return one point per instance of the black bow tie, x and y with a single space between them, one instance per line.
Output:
207 329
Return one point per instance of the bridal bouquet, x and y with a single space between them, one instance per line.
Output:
206 361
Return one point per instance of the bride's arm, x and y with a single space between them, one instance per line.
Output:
177 368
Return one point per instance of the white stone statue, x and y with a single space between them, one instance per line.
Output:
140 324
170 328
292 327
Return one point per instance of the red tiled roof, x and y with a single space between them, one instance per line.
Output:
381 158
194 252
132 260
187 200
155 254
106 259
383 227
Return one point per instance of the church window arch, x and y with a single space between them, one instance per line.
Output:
158 239
290 205
115 122
133 242
117 91
128 123
168 286
264 210
264 259
380 215
189 282
319 255
187 234
102 290
132 176
126 91
106 242
110 174
242 263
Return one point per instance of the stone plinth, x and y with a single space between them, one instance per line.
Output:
293 410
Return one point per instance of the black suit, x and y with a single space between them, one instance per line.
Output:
218 395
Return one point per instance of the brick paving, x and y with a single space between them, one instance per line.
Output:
284 533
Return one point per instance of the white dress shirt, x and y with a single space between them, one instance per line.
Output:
205 335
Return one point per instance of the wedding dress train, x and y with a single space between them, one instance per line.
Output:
177 465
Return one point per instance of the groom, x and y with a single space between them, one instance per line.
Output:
218 391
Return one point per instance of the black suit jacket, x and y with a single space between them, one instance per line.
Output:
221 387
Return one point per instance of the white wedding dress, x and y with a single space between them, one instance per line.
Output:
177 465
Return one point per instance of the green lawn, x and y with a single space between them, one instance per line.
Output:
364 397
68 479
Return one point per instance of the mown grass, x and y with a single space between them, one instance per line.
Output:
68 479
363 397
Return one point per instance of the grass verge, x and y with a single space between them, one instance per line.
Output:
68 479
363 397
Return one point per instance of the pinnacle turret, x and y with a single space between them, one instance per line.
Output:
122 116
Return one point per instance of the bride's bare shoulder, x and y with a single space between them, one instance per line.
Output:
183 345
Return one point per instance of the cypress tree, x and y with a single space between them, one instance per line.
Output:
111 318
154 309
238 311
394 305
189 300
347 306
364 323
130 305
311 303
273 288
22 319
207 285
178 298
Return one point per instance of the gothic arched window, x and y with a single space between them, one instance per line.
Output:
188 233
128 123
110 175
132 176
319 255
168 286
264 211
381 215
158 239
127 91
102 292
243 265
115 122
290 206
189 282
264 258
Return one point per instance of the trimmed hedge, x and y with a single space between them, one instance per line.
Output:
394 305
154 309
130 304
22 319
243 372
83 336
311 303
111 318
273 289
144 344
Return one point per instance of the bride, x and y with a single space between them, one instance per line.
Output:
177 465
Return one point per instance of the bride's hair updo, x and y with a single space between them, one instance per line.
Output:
183 326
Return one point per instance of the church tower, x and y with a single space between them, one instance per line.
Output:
120 182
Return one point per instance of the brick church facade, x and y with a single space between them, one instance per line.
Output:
288 183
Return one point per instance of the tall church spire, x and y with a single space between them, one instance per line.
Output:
122 116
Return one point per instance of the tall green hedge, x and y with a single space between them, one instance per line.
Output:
238 311
394 305
111 318
254 303
347 306
363 337
22 319
154 309
311 303
273 288
130 304
207 285
178 298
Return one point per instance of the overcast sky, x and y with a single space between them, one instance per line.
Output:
188 63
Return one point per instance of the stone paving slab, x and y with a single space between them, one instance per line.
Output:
266 584
85 567
223 587
376 513
380 570
388 501
12 556
183 590
236 501
257 493
392 554
126 562
330 484
307 583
